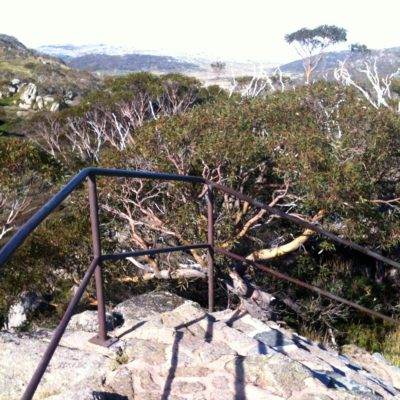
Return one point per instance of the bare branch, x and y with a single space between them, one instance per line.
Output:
11 210
379 91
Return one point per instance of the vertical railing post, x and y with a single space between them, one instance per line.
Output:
101 338
210 240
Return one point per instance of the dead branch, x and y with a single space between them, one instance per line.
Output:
295 244
49 135
389 202
15 208
189 274
379 90
282 194
254 300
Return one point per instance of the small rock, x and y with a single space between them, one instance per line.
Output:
48 100
28 94
148 305
25 106
55 107
274 338
88 321
187 387
147 381
185 315
151 351
21 311
120 381
39 102
69 95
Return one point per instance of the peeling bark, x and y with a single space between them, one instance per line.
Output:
295 244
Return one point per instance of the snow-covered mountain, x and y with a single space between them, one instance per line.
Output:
116 59
66 51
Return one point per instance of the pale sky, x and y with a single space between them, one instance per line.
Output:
222 29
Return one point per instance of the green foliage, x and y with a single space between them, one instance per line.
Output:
27 174
332 164
111 117
396 86
30 65
375 337
143 84
359 49
124 87
319 37
122 358
212 94
22 162
6 101
332 150
53 258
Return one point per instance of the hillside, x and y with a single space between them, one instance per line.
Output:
49 73
129 63
388 62
32 81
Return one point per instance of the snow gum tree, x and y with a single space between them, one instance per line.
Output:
310 44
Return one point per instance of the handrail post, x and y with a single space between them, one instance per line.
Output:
210 240
101 338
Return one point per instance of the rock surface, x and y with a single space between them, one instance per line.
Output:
170 348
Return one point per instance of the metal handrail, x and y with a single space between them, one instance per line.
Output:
305 224
299 282
95 267
17 239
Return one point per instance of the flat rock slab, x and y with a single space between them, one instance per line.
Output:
147 305
275 338
70 369
177 351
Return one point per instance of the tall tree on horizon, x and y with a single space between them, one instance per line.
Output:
310 44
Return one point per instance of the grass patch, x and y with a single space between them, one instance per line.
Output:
122 359
6 127
7 101
15 68
391 347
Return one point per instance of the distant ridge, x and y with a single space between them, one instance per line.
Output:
114 59
129 62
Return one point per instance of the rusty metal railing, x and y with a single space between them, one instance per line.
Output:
98 258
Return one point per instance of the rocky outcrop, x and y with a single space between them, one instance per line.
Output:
29 99
175 350
27 96
20 313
